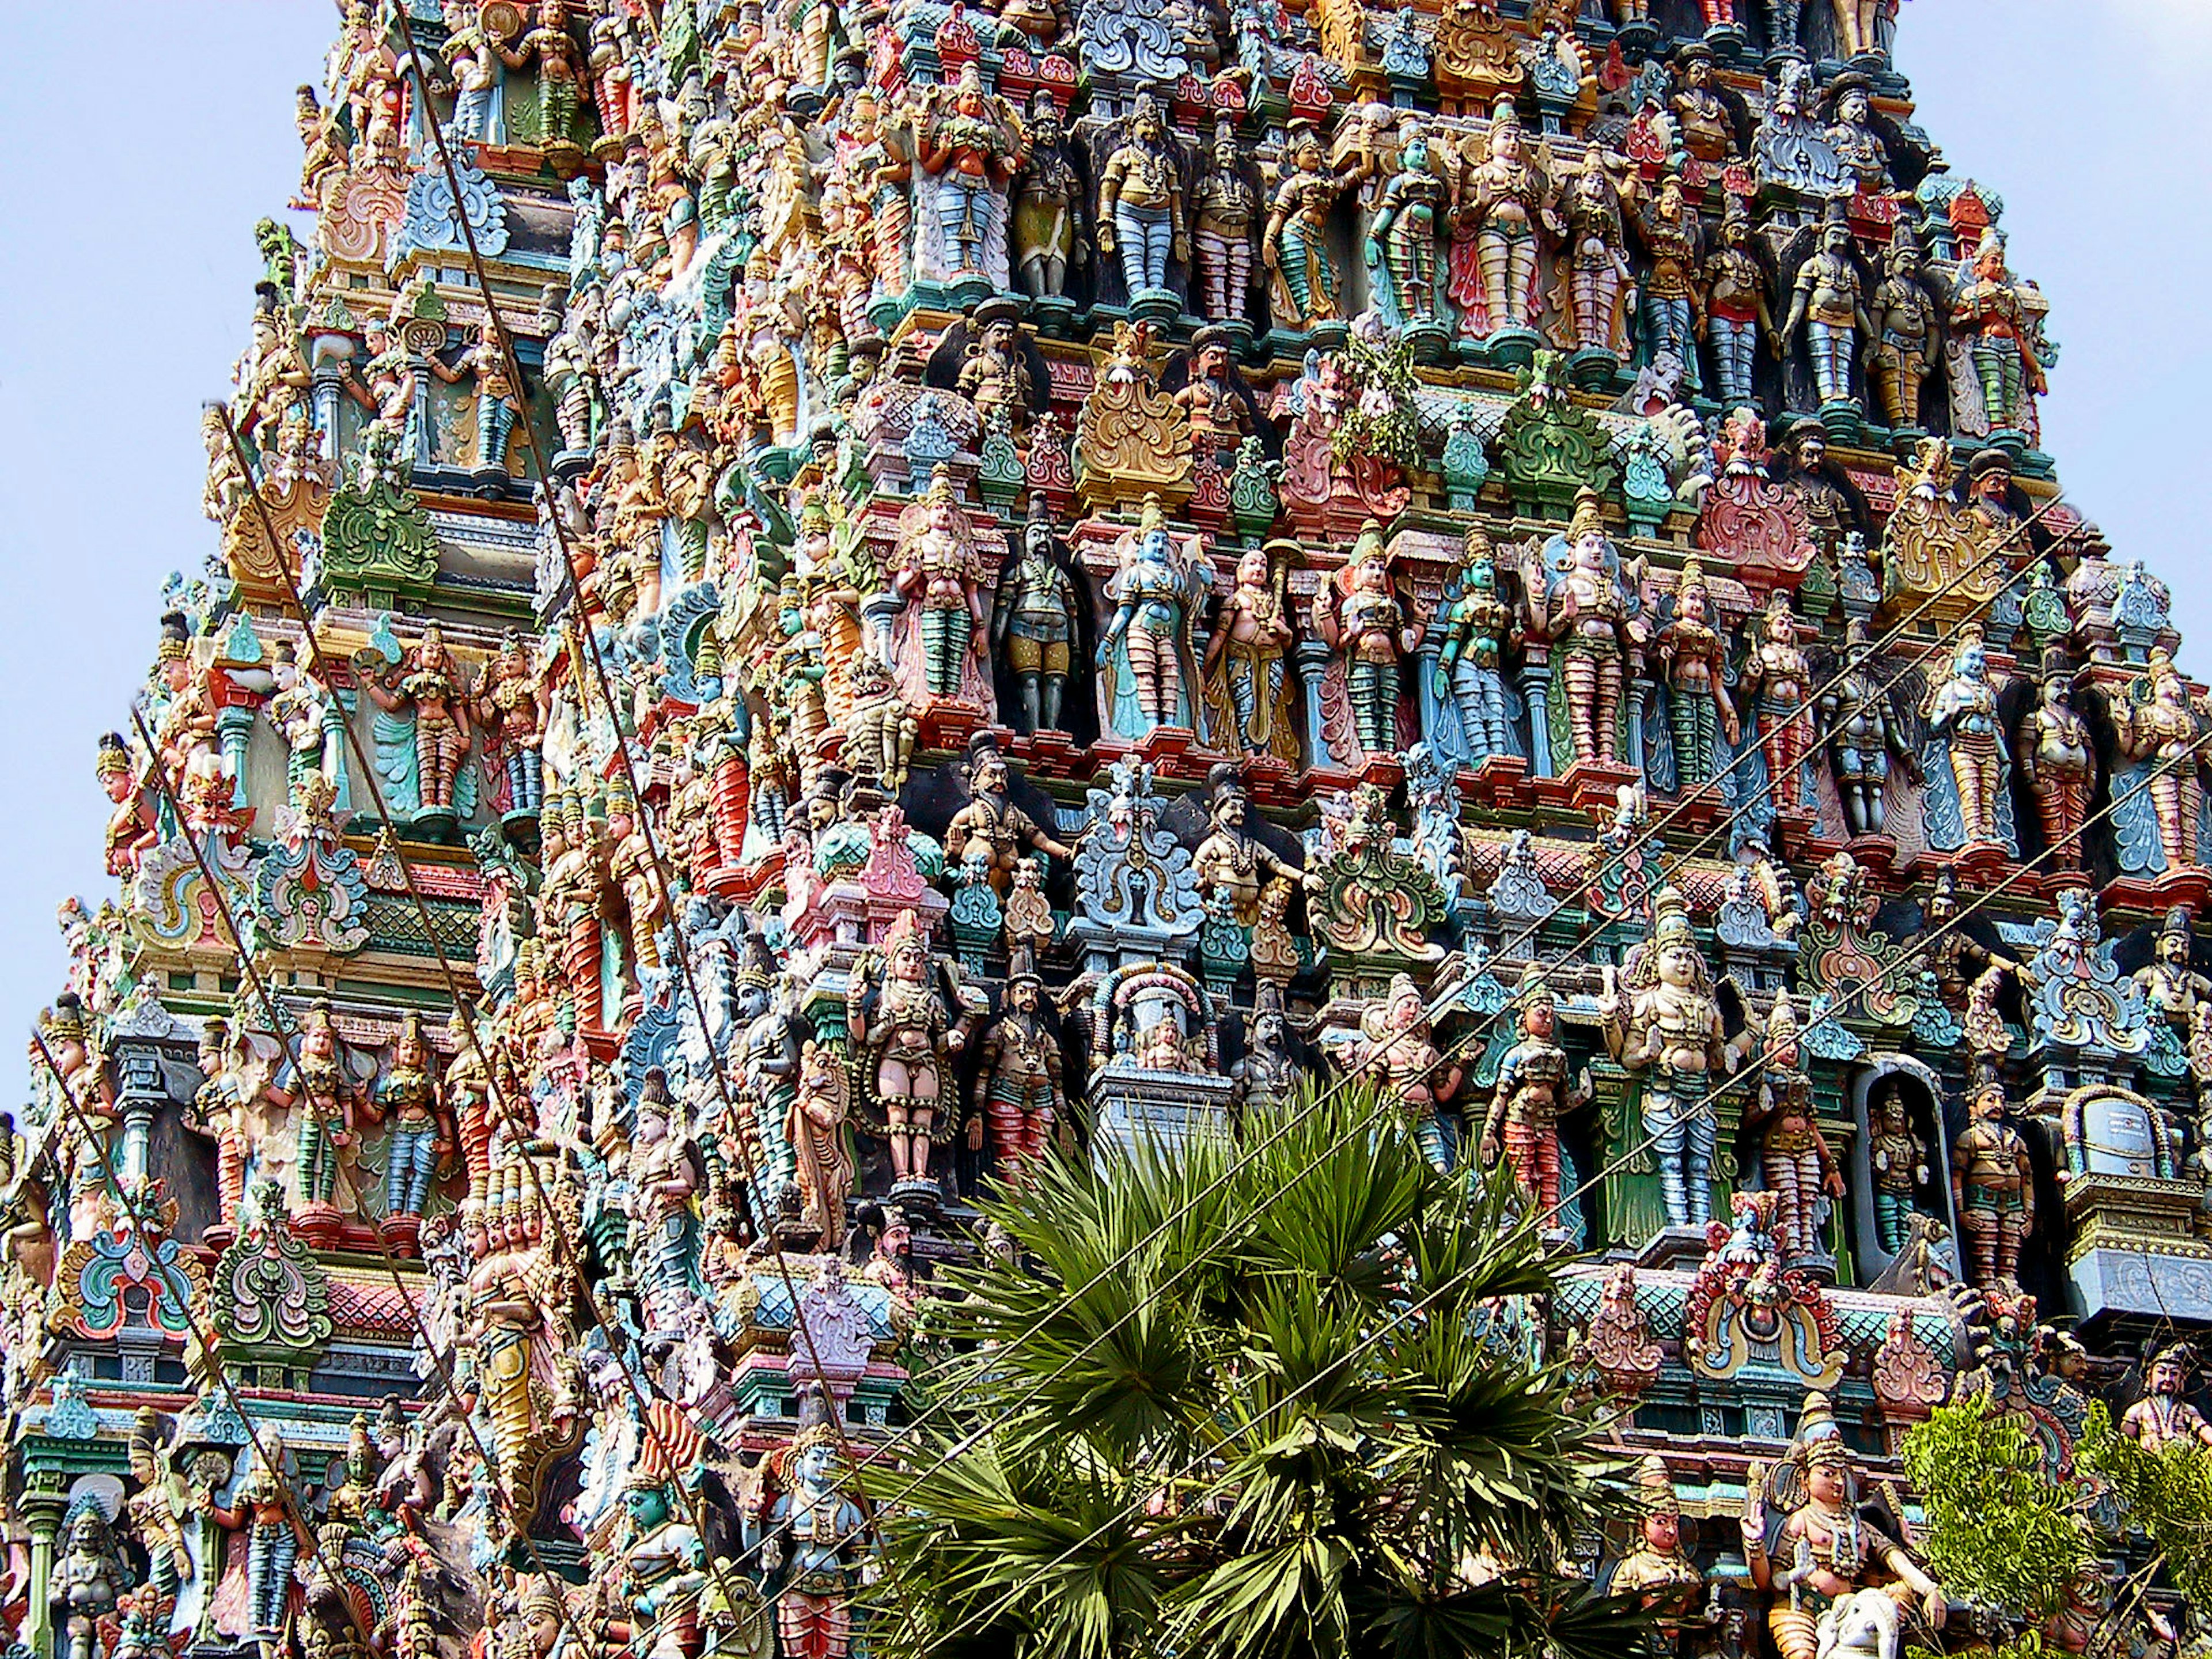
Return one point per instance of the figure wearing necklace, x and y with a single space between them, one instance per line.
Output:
1150 678
2162 1418
1248 687
1475 624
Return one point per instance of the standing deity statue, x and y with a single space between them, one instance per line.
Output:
1501 208
512 707
994 372
1695 662
2162 1418
1673 310
815 1538
1702 116
1858 28
1358 612
1828 301
1992 1190
1997 320
1587 618
1533 1095
1775 683
1248 684
2165 726
1474 625
815 1127
1595 278
1295 244
1150 678
1214 398
908 1024
87 1579
561 71
1021 1100
1664 1020
260 1511
1051 234
317 1085
1898 1157
972 148
939 571
1866 731
420 1127
1226 220
1827 1568
1033 622
428 689
1140 202
1396 1049
1963 712
1901 345
134 827
1402 238
498 400
2058 759
1794 1157
1736 315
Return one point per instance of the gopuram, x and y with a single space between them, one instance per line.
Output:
814 601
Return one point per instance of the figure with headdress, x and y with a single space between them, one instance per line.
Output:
1674 309
319 1085
1794 1157
1662 1022
1865 718
1828 301
1992 1189
815 1536
1359 613
1397 1051
939 570
908 1021
1051 234
2162 1418
134 827
1962 713
1694 661
1232 858
427 690
2164 726
1214 398
1227 219
1736 315
1402 238
1295 243
88 1577
1141 201
1033 623
1021 1099
1502 207
1808 1545
1902 331
970 146
261 1513
1996 324
992 820
815 1127
1705 119
2058 759
2172 989
1472 625
1533 1095
1248 690
1775 684
1587 609
421 1133
1595 277
1658 1570
1150 676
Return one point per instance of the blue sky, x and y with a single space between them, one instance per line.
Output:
145 139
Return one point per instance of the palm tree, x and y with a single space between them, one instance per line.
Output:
1300 1421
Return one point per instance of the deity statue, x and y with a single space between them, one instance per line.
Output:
2173 989
1214 399
483 365
1140 202
1232 859
1673 310
1474 625
663 1566
1294 242
815 1127
1021 1100
972 148
1396 1050
1033 622
1794 1157
1858 28
317 1083
1898 1158
512 708
1150 678
1776 682
1588 618
1358 612
1593 269
1829 303
1694 661
992 821
908 1024
260 1510
939 571
1668 1024
134 827
421 1129
665 1177
1826 1567
1402 238
1998 320
88 1576
1962 711
1051 234
2058 759
1736 317
994 372
2162 1418
1501 206
307 716
561 71
1227 218
1248 690
427 689
1701 114
1658 1569
1901 331
1533 1095
1992 1189
815 1538
2165 726
1866 731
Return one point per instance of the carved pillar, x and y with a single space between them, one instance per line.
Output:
1313 664
139 1094
1536 692
42 1511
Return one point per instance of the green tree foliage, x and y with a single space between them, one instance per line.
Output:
2167 1493
1287 1426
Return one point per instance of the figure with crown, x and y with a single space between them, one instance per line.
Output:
908 1023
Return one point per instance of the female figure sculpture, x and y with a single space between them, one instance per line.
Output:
939 571
1692 655
1963 712
1401 241
1587 616
1777 681
2164 727
429 688
1149 677
1475 624
1359 613
1296 242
